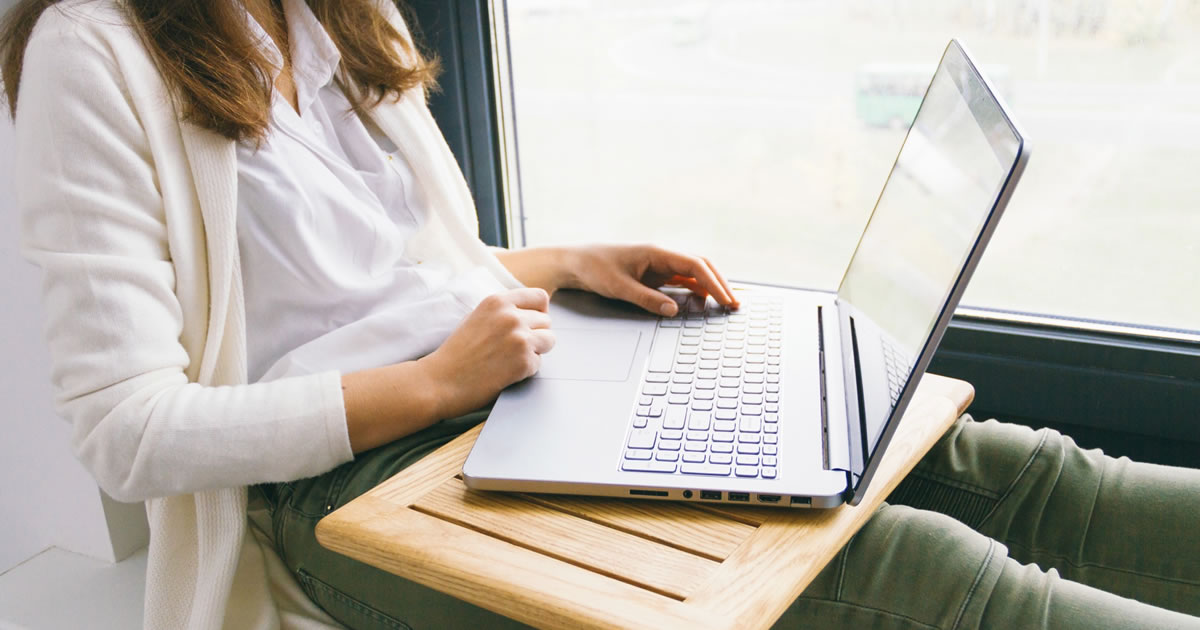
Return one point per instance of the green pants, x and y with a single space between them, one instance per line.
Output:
999 526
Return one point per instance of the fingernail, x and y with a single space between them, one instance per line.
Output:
667 309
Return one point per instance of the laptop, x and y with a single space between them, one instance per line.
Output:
791 400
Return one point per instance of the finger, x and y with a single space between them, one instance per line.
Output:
533 319
543 340
698 269
724 283
654 301
529 298
687 283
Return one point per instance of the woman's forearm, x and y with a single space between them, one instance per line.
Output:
548 268
387 403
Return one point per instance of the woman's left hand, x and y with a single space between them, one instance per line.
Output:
634 272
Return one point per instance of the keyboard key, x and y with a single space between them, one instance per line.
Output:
688 342
681 388
726 392
662 355
727 403
725 414
722 437
708 364
656 410
654 389
693 323
768 473
655 377
756 378
769 461
669 445
682 379
699 421
670 323
772 428
666 456
695 447
772 407
676 417
670 434
730 382
771 418
747 460
639 422
705 383
640 455
709 375
685 369
772 398
770 439
689 350
703 394
721 448
679 399
747 449
695 458
710 355
720 458
704 469
747 399
644 411
773 388
650 466
643 438
770 450
686 359
750 424
749 438
702 405
724 425
745 471
692 332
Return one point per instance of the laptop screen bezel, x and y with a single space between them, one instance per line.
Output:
864 463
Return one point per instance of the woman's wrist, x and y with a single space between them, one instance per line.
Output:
390 402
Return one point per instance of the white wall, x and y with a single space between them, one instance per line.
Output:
46 497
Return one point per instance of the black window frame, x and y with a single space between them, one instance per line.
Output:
1036 370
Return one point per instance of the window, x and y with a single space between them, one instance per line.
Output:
760 132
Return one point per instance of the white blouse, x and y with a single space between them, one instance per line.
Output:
326 206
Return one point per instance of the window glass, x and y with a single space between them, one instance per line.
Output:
760 133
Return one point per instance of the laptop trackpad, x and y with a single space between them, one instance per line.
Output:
590 354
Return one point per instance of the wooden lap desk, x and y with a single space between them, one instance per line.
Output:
556 561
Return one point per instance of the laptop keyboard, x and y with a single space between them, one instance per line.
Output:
709 401
898 368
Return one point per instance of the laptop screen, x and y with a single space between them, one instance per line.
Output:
947 179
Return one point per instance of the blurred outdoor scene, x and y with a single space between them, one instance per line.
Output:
759 133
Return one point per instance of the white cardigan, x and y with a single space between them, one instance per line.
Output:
131 215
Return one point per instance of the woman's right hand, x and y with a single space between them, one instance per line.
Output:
498 344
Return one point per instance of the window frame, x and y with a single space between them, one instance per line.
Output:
1036 369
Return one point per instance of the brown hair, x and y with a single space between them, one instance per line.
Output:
216 70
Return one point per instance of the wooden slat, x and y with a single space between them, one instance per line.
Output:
530 587
583 543
748 514
757 582
679 525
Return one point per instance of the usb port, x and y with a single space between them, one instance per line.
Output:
769 498
739 496
801 501
711 495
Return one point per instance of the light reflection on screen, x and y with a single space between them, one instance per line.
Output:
952 166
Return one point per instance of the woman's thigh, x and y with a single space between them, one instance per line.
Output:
916 569
356 594
1117 525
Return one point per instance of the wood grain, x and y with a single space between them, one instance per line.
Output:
561 535
565 562
682 526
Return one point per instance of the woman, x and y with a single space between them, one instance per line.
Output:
265 293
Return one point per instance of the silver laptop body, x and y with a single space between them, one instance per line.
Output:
791 400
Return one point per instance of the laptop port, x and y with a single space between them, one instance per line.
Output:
711 495
769 498
739 496
801 501
687 494
648 493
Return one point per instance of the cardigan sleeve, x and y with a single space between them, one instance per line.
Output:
94 221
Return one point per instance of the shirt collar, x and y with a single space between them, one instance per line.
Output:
315 57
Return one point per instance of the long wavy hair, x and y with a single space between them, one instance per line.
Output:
217 72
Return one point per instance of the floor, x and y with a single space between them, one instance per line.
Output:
58 589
